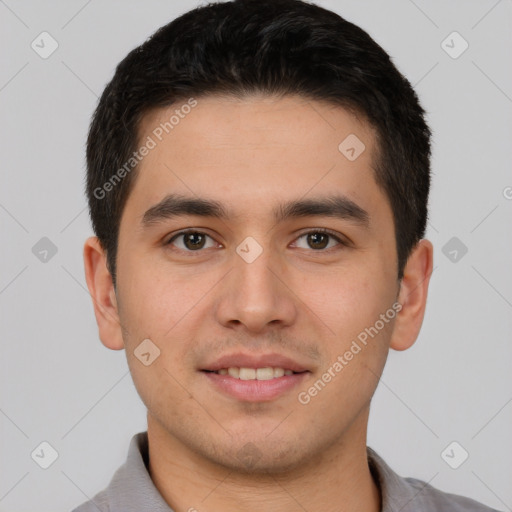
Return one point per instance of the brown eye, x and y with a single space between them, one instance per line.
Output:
319 240
190 241
193 241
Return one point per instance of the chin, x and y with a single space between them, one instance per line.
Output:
261 458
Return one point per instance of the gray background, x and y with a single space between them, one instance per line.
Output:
59 384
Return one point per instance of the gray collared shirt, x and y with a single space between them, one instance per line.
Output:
132 490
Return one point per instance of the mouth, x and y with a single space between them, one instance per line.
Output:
254 377
264 373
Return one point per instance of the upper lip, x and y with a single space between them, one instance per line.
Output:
240 360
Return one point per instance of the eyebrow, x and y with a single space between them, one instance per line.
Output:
338 206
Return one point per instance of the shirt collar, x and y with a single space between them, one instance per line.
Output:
131 487
396 493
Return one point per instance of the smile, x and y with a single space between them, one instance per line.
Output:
265 373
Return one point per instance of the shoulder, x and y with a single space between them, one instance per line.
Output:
131 487
413 495
100 503
429 498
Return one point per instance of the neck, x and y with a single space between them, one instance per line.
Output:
337 480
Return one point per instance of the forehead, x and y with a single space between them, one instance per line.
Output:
223 123
256 149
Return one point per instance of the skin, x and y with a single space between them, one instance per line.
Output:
304 302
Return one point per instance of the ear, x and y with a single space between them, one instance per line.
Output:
413 296
101 289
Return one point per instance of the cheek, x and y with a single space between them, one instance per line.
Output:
347 301
158 307
170 307
156 297
356 353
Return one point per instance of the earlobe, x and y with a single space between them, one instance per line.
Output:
101 289
413 296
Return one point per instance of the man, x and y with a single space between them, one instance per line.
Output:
258 177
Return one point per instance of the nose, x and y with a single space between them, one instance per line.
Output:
255 296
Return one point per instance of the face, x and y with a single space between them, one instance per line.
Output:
257 282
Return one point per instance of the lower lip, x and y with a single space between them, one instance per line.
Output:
255 390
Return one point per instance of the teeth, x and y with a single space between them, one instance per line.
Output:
247 374
266 373
279 372
234 372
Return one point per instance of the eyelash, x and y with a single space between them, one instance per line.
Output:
332 234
